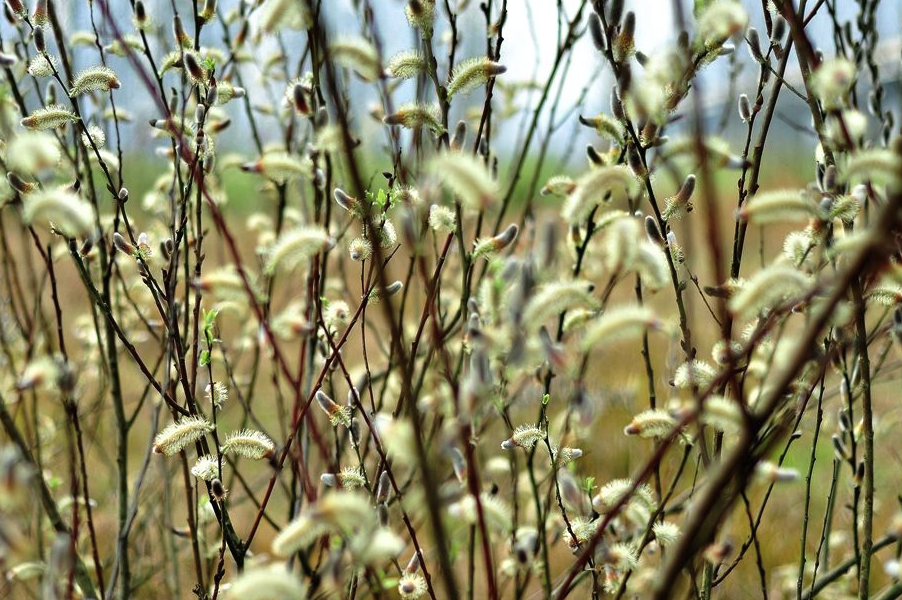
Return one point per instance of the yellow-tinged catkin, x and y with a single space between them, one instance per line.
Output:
300 532
666 532
69 214
249 444
876 165
679 205
276 15
31 151
338 414
850 242
496 513
488 246
721 20
345 510
176 436
281 166
798 245
416 114
266 583
618 324
651 264
296 246
412 586
694 373
559 185
93 137
722 414
348 477
605 126
622 556
42 65
372 548
442 219
651 423
49 117
613 492
778 206
467 177
357 54
472 73
769 287
524 436
593 188
769 472
421 15
887 294
832 81
206 468
554 298
99 78
406 64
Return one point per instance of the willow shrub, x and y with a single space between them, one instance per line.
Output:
419 367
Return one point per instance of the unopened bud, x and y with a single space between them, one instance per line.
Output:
338 415
859 474
322 117
839 448
754 42
19 184
140 13
745 109
16 6
778 30
209 10
40 43
897 324
507 236
344 200
299 99
179 33
354 431
595 29
459 464
617 105
393 288
194 68
615 12
459 139
123 195
217 490
384 488
593 156
88 245
830 179
652 231
628 29
122 244
634 159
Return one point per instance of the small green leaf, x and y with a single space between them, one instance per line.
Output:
589 484
545 399
210 317
204 358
